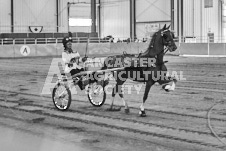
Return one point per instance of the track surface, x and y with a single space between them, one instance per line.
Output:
176 120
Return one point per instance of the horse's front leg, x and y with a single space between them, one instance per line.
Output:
166 80
147 89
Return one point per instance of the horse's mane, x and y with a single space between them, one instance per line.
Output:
151 44
150 47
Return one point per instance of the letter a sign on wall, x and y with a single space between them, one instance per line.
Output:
25 50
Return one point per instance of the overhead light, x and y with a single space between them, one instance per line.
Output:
80 22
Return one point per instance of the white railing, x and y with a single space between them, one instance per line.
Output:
11 41
201 39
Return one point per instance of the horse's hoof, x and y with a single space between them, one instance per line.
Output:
142 114
112 109
127 111
167 88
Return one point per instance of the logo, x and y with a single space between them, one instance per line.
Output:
36 29
25 50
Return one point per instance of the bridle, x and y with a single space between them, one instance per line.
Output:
167 43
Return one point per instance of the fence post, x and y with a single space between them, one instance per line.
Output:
224 49
56 46
208 42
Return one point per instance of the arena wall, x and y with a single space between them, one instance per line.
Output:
202 49
106 49
93 49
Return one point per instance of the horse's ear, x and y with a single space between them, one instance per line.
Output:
164 28
168 27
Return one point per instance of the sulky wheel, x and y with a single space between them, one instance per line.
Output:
97 94
61 97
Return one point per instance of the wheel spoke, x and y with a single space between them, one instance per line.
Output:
96 94
61 97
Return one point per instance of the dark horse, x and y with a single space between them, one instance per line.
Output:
162 38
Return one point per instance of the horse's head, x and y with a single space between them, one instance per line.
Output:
168 38
163 37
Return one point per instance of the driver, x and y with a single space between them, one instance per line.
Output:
71 59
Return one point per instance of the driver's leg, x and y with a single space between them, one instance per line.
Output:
74 72
77 79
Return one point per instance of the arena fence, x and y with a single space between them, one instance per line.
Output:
92 49
48 48
202 49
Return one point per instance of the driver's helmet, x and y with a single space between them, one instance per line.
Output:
66 40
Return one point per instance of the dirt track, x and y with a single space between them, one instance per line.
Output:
176 120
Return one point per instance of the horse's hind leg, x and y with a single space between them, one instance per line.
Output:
120 92
123 100
118 89
114 91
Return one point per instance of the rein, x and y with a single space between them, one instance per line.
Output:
166 50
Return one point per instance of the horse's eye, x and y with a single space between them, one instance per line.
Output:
165 36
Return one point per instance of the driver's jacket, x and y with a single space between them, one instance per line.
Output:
67 56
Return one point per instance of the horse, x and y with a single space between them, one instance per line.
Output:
155 51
